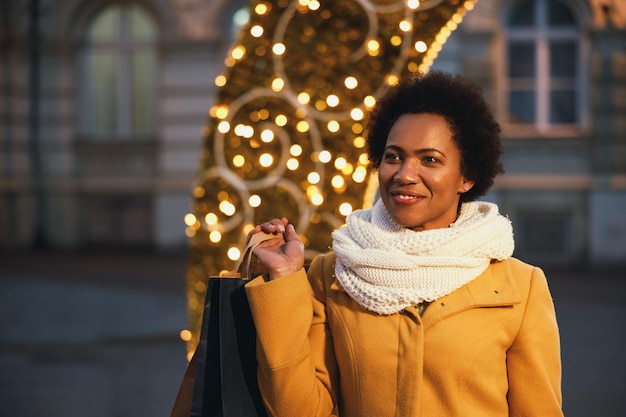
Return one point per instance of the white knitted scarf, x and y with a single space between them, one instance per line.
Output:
386 267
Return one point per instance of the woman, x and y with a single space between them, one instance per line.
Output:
419 310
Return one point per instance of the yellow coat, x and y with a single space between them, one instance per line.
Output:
490 348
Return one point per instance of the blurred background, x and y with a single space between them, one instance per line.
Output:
102 109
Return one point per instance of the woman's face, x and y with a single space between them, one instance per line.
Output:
420 172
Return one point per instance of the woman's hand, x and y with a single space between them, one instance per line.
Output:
279 256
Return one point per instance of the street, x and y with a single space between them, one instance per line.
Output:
96 334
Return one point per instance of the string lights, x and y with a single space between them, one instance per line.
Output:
286 135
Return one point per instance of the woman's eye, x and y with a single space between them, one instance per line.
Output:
392 157
430 159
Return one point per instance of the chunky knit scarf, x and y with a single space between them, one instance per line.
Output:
386 267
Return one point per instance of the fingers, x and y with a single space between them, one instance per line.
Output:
290 233
273 226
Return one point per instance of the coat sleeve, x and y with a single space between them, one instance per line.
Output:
296 365
534 358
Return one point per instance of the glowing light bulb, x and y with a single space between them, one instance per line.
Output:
295 150
359 175
199 192
392 79
373 47
304 98
261 9
347 170
369 101
211 219
314 5
280 120
345 208
292 164
302 126
278 84
420 46
220 80
279 49
254 200
233 253
351 83
239 161
332 100
313 177
256 31
239 129
227 208
405 26
267 136
333 126
325 156
215 236
340 163
223 127
266 160
190 219
317 199
357 128
238 52
221 112
357 114
413 4
337 181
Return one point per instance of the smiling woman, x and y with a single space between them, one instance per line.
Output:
420 173
473 128
419 309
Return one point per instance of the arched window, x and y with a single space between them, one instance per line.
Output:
120 75
543 67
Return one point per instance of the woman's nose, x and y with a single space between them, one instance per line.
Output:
407 173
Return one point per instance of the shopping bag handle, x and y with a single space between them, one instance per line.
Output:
242 269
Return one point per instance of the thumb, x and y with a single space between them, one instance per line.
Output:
290 233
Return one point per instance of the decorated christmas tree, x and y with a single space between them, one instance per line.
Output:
286 135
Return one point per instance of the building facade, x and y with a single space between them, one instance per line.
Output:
103 105
555 72
102 108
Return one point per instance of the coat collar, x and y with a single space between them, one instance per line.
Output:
495 287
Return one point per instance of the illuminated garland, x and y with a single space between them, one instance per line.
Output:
286 135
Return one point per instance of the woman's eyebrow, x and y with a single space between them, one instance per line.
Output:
418 151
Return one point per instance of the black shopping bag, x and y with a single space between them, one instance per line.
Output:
221 378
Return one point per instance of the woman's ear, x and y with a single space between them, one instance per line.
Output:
466 186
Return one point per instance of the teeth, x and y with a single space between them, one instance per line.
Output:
405 197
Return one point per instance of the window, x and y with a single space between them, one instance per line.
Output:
120 75
543 67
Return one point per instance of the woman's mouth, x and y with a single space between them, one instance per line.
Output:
401 197
405 197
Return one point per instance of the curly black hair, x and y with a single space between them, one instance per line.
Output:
474 128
